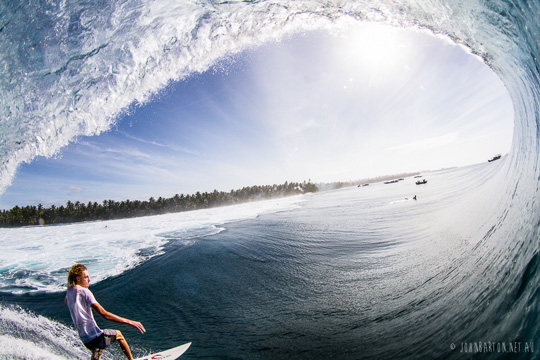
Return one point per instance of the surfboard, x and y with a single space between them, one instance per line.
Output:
170 354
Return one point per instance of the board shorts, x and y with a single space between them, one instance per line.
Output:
103 341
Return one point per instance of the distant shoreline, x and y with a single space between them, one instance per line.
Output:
75 212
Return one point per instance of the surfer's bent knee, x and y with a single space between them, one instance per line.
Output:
119 336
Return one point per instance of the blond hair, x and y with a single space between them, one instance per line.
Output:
74 273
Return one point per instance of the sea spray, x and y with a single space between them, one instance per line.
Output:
25 335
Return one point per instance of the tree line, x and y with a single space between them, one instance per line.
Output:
110 209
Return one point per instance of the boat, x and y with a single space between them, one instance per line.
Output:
496 157
421 182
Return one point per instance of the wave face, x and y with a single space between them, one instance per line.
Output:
70 68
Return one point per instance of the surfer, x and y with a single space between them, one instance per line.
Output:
80 302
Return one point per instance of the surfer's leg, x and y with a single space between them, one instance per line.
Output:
96 354
123 345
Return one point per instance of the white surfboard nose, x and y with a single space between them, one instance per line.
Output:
170 354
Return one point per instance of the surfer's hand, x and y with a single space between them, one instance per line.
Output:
138 325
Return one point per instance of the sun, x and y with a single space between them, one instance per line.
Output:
375 50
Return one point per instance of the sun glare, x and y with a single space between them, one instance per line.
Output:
376 49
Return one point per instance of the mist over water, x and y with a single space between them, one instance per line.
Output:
360 272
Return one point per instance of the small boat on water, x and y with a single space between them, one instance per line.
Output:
496 157
421 182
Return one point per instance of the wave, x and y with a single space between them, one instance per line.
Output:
24 335
71 68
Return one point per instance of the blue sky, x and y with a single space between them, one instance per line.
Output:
358 103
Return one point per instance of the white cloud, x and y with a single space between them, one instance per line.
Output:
72 190
170 147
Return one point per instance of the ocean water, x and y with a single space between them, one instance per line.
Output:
348 274
353 273
33 258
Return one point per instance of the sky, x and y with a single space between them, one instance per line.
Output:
319 106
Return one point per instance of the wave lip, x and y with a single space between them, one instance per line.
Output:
71 69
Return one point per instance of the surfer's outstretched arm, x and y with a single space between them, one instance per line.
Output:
115 318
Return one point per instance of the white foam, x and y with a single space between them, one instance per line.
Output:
24 335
